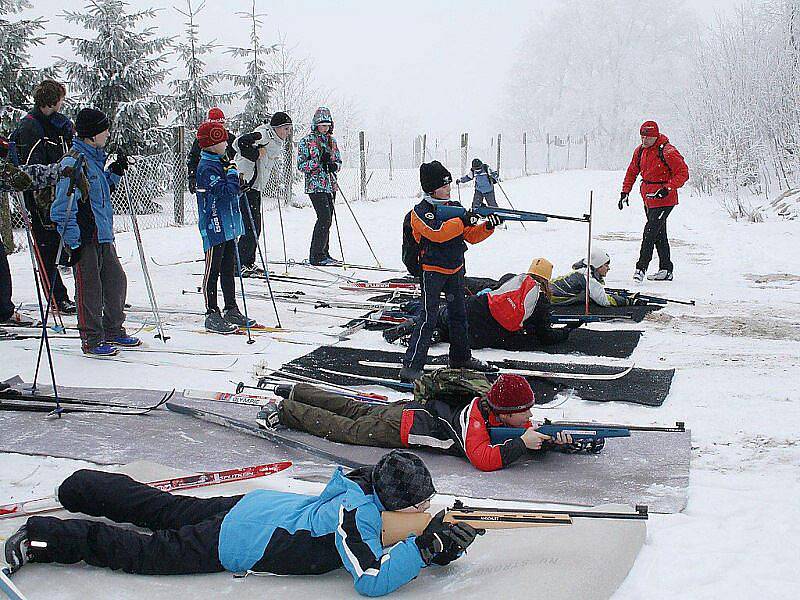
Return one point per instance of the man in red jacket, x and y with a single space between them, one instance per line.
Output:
663 171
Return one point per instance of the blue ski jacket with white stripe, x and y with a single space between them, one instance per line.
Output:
285 533
218 216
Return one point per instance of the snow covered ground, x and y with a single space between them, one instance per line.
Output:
737 354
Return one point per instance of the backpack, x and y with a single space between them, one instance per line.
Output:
660 155
411 248
456 387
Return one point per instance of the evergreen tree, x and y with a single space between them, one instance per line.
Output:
197 92
118 70
17 78
257 82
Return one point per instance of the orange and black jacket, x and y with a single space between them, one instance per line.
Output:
442 242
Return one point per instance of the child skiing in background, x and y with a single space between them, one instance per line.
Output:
319 159
86 226
266 531
442 243
485 179
220 224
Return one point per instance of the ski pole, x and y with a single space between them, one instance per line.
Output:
148 283
264 262
283 234
589 254
36 276
250 339
336 223
350 208
509 202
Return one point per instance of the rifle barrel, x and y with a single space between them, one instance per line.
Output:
641 512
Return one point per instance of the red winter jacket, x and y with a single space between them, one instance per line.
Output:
655 173
514 302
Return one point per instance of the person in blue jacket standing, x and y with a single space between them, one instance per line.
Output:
262 531
86 227
485 179
220 223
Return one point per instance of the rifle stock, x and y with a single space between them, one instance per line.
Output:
444 211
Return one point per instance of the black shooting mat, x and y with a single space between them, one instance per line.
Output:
634 314
648 387
647 468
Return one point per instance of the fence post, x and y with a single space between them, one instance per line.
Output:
464 151
569 145
499 141
585 151
424 146
390 159
548 152
362 150
525 153
179 175
6 227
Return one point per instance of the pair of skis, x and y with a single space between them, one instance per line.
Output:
39 506
14 400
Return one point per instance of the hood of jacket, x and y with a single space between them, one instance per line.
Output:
322 115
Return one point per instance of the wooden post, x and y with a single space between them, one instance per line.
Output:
180 175
6 227
525 153
464 151
569 144
548 153
424 145
418 150
585 151
390 159
499 141
362 149
589 251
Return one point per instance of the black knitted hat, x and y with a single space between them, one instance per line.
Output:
90 122
280 118
433 175
401 480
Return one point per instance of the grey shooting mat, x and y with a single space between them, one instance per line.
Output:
629 313
648 387
563 561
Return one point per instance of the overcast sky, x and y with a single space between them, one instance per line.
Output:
435 64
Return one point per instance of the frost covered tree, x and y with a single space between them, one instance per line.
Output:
257 83
197 91
600 67
17 77
119 68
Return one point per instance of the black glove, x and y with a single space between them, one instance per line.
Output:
470 218
192 185
589 446
119 166
623 197
635 300
73 255
662 193
441 542
494 220
327 162
573 325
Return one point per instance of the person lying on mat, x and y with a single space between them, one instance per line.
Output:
571 288
434 424
262 531
514 316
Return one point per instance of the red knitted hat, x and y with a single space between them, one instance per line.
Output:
210 133
649 129
510 394
216 114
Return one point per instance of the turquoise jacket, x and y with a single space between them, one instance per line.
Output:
218 215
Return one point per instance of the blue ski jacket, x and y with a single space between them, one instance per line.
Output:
218 213
101 182
484 179
293 533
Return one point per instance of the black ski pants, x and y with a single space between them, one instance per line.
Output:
248 242
655 236
220 265
185 536
6 305
433 284
341 419
320 238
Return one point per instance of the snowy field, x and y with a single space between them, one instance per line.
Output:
737 355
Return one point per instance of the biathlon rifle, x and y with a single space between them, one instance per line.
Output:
397 526
647 298
447 211
567 319
580 432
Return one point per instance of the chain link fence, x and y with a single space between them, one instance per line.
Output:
375 167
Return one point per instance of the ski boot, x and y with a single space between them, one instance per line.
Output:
17 550
235 317
19 319
660 275
409 375
283 389
252 271
125 341
67 307
101 350
476 364
392 334
268 417
638 275
216 324
327 262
